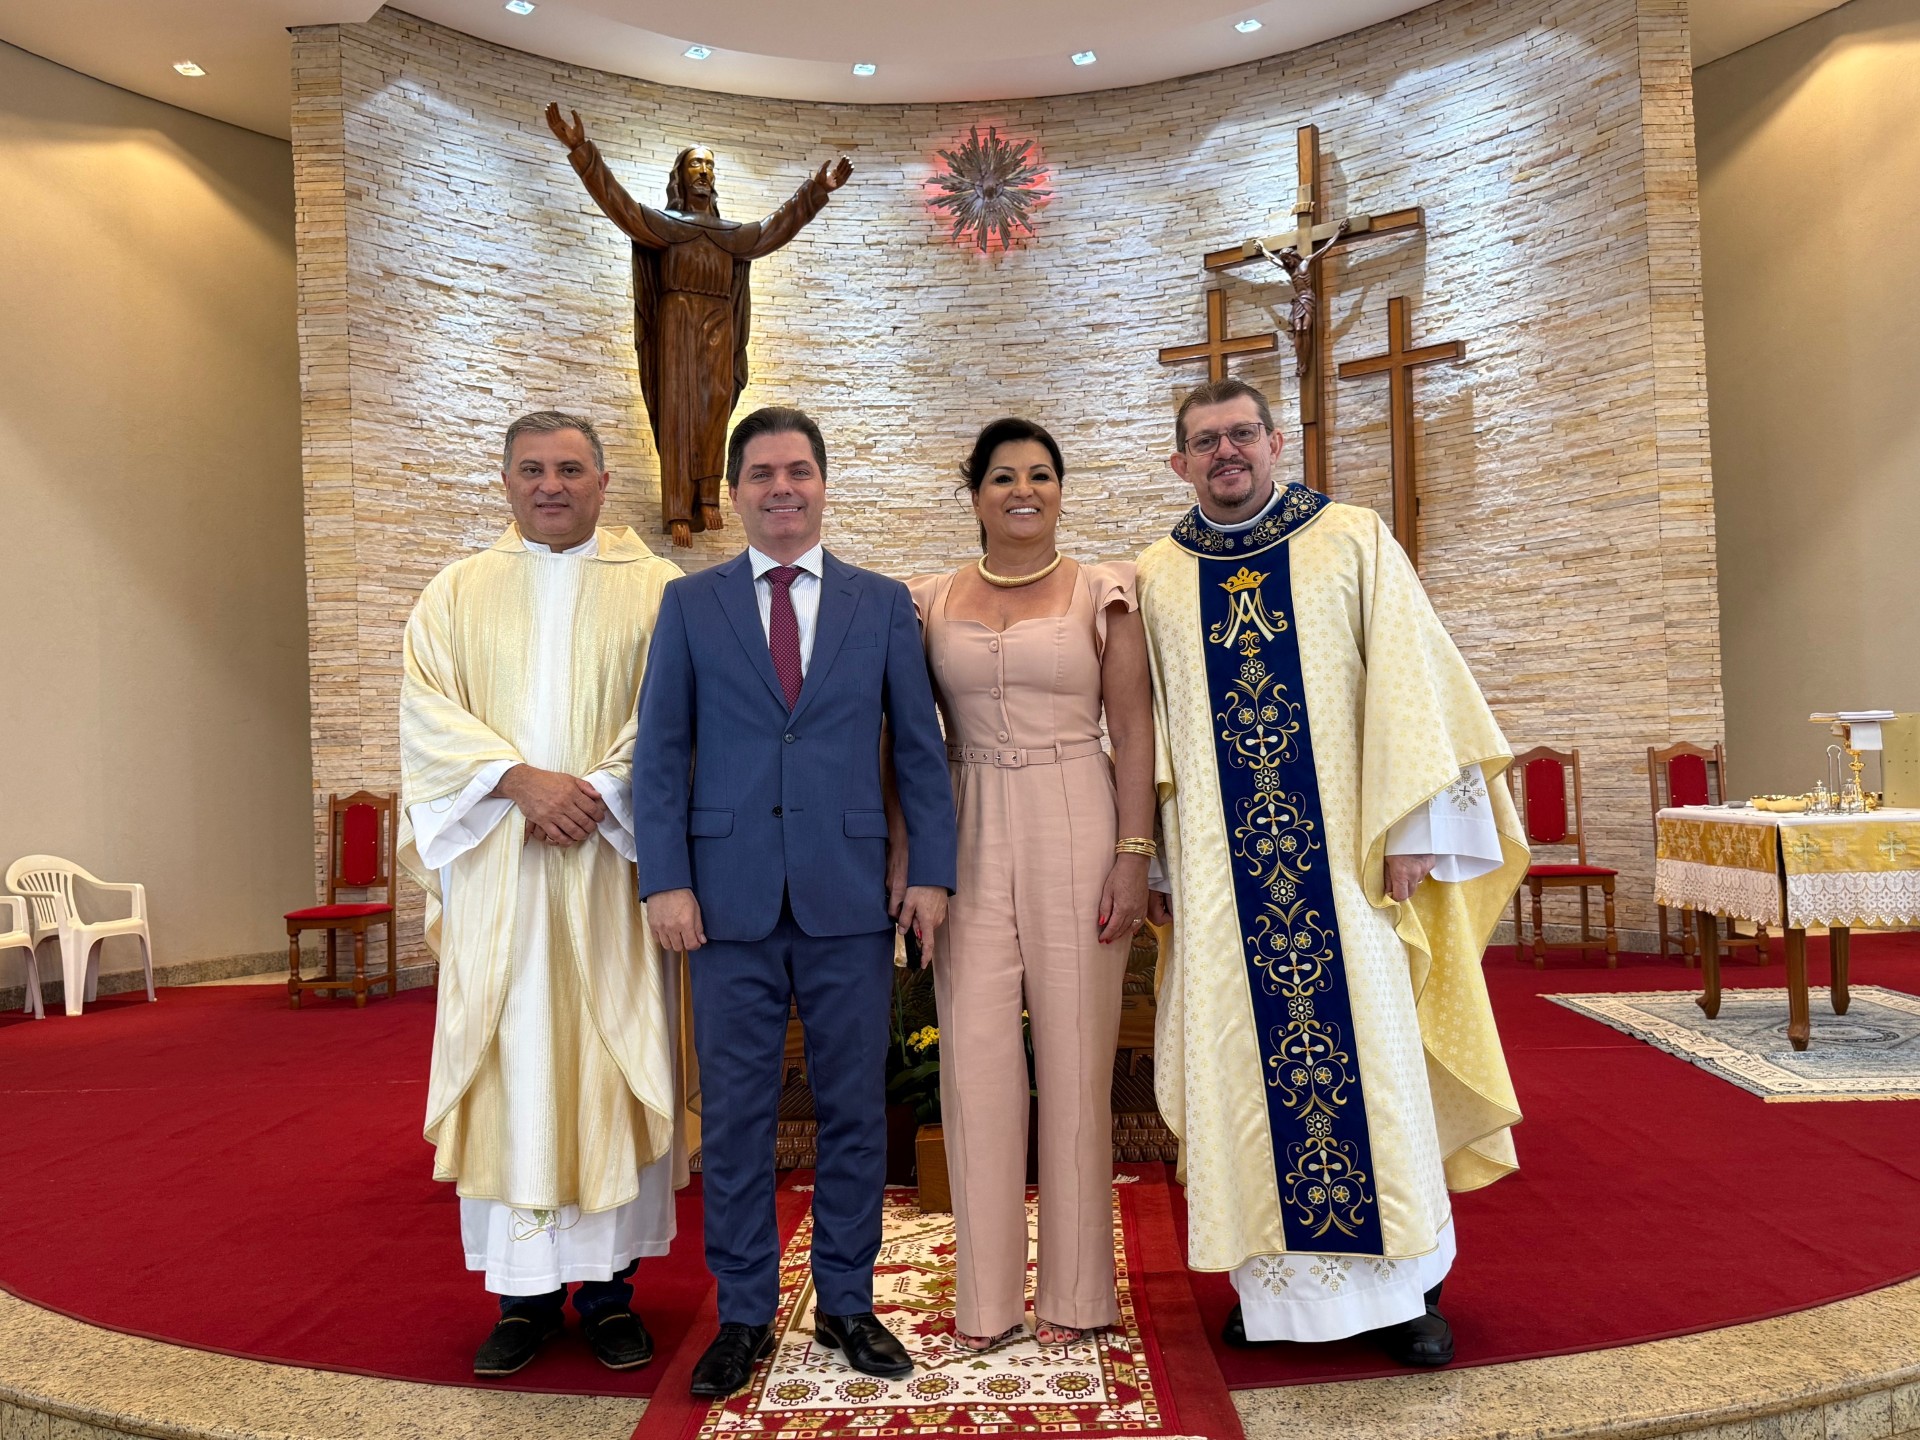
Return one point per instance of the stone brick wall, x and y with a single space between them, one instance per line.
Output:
453 274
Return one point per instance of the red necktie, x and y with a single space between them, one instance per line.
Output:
783 631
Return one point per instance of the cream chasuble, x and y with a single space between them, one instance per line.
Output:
1327 1057
553 1084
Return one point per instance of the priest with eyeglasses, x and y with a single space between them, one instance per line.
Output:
1337 850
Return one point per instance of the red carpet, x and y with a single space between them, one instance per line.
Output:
1652 1199
220 1171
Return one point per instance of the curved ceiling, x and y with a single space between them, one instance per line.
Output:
793 49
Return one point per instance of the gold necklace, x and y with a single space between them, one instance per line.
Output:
1013 582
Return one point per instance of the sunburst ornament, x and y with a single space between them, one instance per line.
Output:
990 187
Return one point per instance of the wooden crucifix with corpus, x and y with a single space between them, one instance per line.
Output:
1302 253
1398 365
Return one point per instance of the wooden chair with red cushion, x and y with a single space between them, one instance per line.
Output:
1684 774
359 857
1539 780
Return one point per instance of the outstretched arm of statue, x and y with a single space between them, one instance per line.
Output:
642 225
751 241
832 179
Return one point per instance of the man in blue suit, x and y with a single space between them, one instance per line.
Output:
762 839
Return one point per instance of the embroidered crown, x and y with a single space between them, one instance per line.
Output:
1246 579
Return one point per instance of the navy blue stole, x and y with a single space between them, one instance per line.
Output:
1283 893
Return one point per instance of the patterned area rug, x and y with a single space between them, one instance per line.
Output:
1870 1053
1150 1376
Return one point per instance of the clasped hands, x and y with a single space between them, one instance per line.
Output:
561 809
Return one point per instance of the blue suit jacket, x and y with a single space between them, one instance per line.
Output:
742 802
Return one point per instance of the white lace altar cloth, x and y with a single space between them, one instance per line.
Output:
1791 870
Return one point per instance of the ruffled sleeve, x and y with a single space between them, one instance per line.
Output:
1108 584
924 588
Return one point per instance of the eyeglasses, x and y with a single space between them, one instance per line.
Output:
1241 435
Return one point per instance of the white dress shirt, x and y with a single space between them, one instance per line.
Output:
805 591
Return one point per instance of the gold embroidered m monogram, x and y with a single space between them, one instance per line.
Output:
1247 622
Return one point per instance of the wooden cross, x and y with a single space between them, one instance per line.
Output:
1398 364
1218 345
1315 232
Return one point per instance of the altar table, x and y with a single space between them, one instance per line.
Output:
1789 872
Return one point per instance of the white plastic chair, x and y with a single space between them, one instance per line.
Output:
54 889
14 935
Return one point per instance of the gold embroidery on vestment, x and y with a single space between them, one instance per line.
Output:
1272 843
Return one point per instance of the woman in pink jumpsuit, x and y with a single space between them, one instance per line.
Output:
1027 649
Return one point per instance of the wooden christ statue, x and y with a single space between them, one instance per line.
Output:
1300 314
691 309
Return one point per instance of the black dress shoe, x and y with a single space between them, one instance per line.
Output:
514 1341
1424 1340
618 1340
869 1345
729 1361
1234 1332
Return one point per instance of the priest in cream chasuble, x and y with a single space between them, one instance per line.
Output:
1325 1051
554 1096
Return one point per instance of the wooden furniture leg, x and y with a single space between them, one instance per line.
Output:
333 967
360 968
1799 1024
393 954
1841 941
1709 998
1613 940
293 969
1519 935
1539 933
1586 924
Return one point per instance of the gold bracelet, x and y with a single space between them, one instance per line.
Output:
1136 845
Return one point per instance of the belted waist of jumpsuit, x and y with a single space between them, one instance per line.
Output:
1019 759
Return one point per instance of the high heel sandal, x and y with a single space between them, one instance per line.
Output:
1046 1332
982 1345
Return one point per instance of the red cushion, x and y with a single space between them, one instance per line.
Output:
1687 781
1594 872
1544 784
338 912
360 846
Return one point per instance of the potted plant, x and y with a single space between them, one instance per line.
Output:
913 1076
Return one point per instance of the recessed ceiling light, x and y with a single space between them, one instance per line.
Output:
1245 27
520 7
864 68
1085 57
698 52
188 68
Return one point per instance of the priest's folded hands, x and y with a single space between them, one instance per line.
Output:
560 809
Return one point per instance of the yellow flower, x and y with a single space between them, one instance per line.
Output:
925 1038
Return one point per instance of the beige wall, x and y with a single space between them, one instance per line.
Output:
454 273
153 708
1810 219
